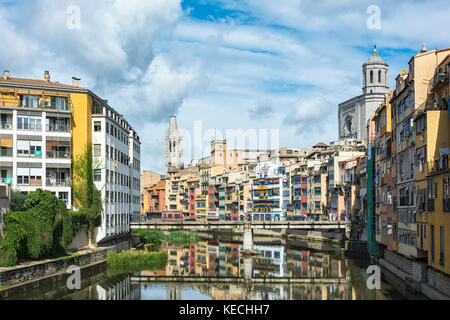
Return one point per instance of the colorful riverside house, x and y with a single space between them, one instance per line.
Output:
191 187
372 245
383 178
410 99
154 199
200 204
267 202
434 162
46 124
299 185
268 192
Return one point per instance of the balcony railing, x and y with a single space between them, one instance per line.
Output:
58 128
440 77
11 101
58 182
6 153
58 155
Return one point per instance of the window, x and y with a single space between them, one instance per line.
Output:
442 252
371 76
28 101
432 244
63 196
97 150
97 175
97 126
59 103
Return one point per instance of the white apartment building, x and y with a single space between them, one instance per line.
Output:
116 152
35 141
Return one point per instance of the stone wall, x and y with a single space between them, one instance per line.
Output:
439 281
80 240
399 261
17 275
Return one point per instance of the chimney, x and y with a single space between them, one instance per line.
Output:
47 76
76 82
6 75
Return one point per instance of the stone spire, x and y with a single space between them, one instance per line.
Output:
173 157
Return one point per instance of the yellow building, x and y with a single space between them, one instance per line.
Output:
45 124
436 167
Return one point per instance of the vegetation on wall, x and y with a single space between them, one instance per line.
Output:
42 230
17 201
86 197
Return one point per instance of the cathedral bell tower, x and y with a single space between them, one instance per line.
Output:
375 74
173 157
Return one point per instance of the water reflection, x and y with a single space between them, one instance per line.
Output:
216 269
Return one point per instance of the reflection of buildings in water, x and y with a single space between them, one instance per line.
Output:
270 263
177 260
269 292
192 258
174 292
213 258
117 288
202 258
227 292
230 264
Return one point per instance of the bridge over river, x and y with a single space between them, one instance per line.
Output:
236 225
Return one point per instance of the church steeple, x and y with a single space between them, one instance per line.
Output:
173 155
375 74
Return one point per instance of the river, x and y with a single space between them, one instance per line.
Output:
216 269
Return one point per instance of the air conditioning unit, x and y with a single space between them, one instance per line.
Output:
8 126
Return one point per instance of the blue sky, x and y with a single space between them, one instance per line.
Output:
247 64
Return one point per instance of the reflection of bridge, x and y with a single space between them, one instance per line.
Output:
246 227
234 280
231 225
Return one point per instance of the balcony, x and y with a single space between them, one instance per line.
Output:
36 102
6 125
57 128
31 181
440 79
51 182
6 152
58 154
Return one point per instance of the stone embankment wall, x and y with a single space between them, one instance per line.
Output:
417 277
23 274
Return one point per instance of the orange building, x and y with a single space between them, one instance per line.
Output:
154 200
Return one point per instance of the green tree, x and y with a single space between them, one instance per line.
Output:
17 201
86 196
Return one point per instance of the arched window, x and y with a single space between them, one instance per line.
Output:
371 76
379 76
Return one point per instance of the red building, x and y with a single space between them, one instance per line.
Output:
172 216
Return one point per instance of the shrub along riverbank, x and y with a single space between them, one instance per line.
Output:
42 230
134 261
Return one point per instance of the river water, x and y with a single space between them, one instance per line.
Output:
216 269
